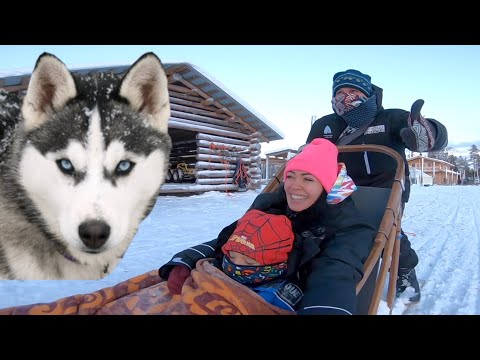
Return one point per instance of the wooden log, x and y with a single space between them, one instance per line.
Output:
184 125
199 103
220 152
208 101
176 76
202 174
224 110
213 138
256 147
175 69
214 158
196 102
208 144
213 166
256 134
185 90
199 109
181 96
209 124
202 119
214 181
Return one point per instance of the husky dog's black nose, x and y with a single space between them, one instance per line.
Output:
94 233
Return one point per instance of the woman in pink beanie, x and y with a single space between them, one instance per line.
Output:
332 239
311 172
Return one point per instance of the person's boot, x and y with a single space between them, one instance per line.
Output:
406 278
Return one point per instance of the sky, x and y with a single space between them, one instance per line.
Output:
288 84
442 222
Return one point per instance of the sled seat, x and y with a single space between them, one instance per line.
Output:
372 202
383 209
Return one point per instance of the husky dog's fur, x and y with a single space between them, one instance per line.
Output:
85 160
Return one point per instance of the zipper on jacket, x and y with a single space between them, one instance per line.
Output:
367 164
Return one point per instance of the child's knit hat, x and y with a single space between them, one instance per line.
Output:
263 237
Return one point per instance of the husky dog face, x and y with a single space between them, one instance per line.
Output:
91 155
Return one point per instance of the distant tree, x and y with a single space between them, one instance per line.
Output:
440 155
475 161
452 159
461 164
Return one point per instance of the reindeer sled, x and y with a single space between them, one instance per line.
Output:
208 291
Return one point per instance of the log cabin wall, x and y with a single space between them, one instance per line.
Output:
209 138
212 132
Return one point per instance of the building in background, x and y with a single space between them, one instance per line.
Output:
440 171
273 162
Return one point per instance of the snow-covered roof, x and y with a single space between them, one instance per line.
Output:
191 73
241 103
282 151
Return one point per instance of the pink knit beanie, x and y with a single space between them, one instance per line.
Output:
318 158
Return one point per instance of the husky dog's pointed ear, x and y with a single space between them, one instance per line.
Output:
51 86
145 86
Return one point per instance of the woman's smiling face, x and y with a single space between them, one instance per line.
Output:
302 189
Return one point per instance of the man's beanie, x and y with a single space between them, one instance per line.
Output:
318 158
352 78
264 237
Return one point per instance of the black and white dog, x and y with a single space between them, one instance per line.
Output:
85 160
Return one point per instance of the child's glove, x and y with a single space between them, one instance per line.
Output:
177 277
418 136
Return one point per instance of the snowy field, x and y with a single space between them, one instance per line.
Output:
443 224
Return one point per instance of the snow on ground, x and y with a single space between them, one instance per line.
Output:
443 224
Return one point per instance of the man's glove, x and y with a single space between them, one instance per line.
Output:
177 277
418 136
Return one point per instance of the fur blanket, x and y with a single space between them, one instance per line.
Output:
208 291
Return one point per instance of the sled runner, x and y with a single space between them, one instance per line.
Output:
209 291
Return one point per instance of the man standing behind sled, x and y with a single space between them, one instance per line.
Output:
359 118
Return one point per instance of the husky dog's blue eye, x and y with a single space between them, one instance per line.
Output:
65 166
124 167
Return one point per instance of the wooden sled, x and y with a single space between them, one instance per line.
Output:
383 208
